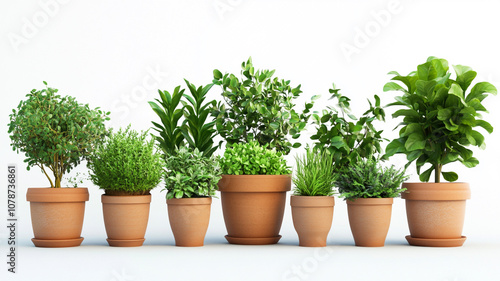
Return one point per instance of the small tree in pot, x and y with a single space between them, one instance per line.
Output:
259 113
56 133
369 190
312 201
439 122
127 166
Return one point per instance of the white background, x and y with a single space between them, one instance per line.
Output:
116 54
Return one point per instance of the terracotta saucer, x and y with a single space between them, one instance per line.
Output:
253 241
125 243
429 242
57 243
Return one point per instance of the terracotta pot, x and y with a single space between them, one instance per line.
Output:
126 219
253 207
57 215
436 213
369 219
189 218
312 219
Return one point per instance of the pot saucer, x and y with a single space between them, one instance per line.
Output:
430 242
57 243
253 241
125 243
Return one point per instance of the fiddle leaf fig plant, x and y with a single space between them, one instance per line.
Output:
347 138
259 107
440 117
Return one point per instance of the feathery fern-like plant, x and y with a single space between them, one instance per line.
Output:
314 174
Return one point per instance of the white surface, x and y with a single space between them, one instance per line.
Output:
115 54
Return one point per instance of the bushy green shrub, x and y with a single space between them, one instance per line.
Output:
259 107
191 174
367 179
347 138
314 174
55 132
126 163
253 159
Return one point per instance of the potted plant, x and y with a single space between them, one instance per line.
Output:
258 113
369 190
56 133
186 136
253 189
191 181
127 166
312 200
440 118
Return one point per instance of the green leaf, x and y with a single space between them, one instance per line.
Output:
425 176
415 141
485 125
217 74
444 114
457 91
450 176
392 86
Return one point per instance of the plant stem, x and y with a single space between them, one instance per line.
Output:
50 180
437 173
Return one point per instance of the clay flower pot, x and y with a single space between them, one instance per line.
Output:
126 219
189 218
253 207
312 218
436 213
369 219
57 215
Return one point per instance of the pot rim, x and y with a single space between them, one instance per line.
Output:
255 183
446 191
371 201
190 201
312 201
126 199
57 195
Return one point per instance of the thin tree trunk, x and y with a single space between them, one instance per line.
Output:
437 173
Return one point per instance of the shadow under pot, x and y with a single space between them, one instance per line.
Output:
436 213
126 219
369 219
189 219
253 207
312 219
57 215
